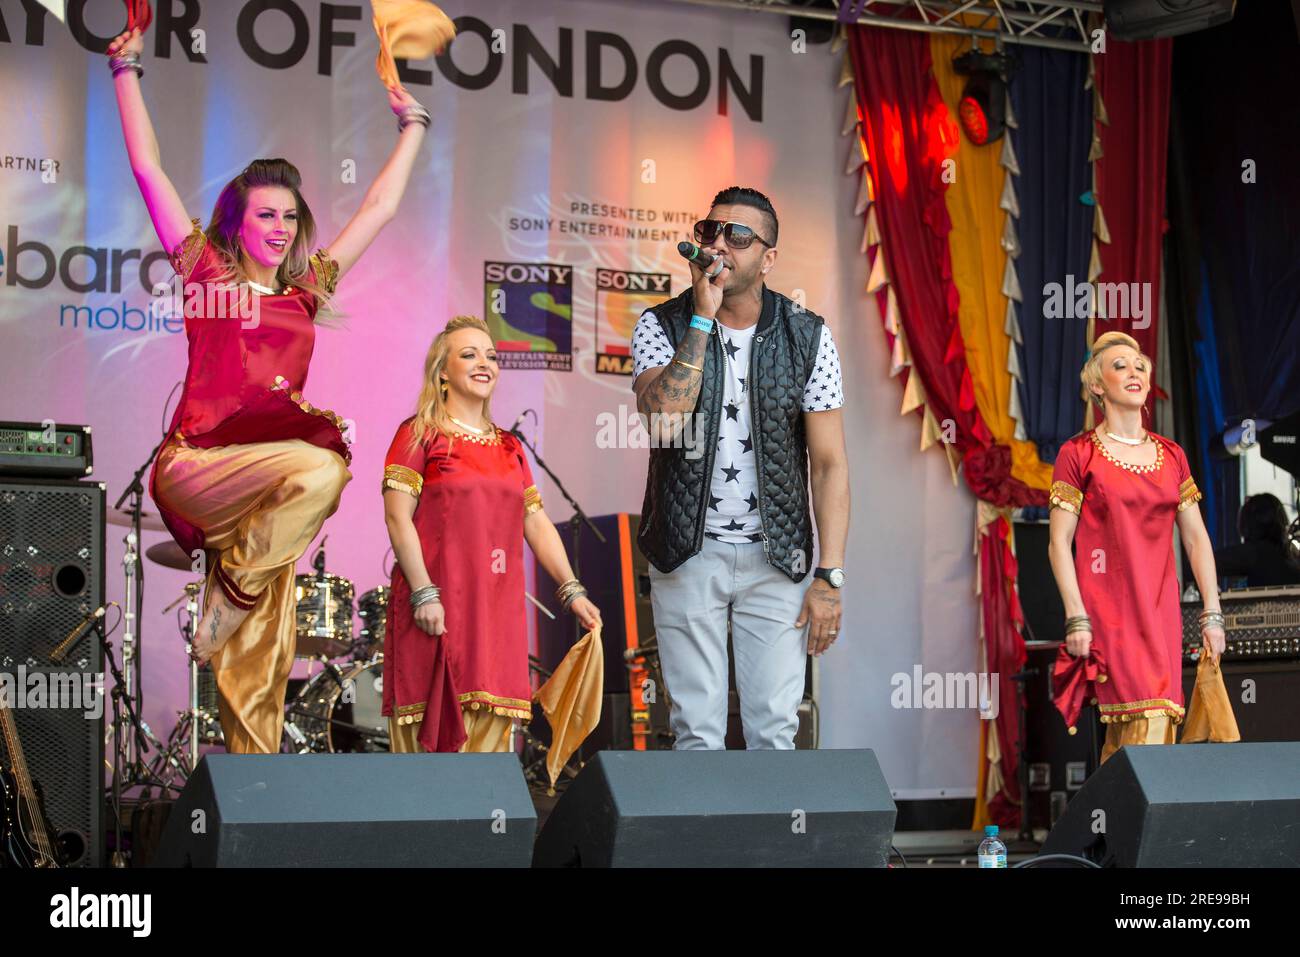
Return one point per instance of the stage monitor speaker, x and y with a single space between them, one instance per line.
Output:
352 810
722 809
1187 805
51 577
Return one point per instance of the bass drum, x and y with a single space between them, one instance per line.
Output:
338 711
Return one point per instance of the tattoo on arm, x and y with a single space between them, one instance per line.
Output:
216 620
677 388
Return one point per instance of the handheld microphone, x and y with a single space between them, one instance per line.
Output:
61 652
702 258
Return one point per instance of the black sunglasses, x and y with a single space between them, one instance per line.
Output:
737 235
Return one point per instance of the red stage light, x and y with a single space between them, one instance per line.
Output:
973 120
982 107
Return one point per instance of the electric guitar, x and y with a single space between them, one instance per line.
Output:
25 837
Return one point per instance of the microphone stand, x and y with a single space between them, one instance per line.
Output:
576 521
121 701
132 660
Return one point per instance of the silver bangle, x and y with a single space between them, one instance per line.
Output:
577 593
413 114
119 62
425 595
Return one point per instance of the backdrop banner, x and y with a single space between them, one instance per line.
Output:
572 145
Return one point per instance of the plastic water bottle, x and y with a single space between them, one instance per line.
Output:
992 852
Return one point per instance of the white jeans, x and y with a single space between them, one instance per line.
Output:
690 613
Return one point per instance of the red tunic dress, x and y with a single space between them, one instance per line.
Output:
247 366
1124 560
472 497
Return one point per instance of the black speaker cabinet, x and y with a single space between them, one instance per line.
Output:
1187 805
51 577
722 809
352 810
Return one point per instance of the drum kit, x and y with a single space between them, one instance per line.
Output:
337 709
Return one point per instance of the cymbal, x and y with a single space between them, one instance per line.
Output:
169 555
149 521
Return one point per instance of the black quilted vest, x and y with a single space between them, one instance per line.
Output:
677 486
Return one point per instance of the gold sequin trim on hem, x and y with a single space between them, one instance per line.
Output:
409 713
403 479
282 385
1066 497
1133 710
486 701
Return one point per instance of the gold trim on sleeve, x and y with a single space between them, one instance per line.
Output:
532 500
186 254
1188 494
326 269
1065 497
403 479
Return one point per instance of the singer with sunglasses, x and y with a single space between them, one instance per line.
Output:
726 523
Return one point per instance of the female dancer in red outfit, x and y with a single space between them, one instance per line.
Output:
460 502
1117 492
250 470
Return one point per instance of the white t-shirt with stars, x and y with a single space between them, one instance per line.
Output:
732 515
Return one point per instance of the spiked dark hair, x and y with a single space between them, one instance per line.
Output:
744 196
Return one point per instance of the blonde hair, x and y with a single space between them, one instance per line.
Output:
1091 373
431 409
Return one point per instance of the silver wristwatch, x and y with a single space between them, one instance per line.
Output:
831 576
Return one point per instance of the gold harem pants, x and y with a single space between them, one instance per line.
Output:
485 732
1158 729
260 506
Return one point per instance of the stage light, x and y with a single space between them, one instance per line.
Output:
982 107
1148 19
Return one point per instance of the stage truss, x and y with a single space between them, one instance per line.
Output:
1059 24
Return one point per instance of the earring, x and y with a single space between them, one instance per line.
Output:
445 388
